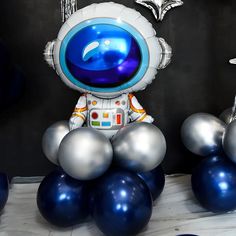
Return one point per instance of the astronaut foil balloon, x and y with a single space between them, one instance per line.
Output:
107 51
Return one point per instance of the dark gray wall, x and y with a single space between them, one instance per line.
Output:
202 35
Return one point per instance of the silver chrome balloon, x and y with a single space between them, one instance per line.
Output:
229 114
160 7
202 134
226 116
52 139
139 147
85 153
229 141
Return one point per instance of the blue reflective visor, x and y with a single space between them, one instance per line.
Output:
102 55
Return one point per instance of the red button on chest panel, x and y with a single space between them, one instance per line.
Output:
94 115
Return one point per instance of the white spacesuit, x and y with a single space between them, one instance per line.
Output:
107 51
108 115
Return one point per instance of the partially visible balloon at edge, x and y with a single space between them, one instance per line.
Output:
229 141
4 190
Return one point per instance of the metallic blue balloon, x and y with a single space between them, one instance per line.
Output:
61 200
155 180
103 56
122 203
214 184
4 190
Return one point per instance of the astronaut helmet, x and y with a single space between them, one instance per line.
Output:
107 49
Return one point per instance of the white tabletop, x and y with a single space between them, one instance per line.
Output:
176 212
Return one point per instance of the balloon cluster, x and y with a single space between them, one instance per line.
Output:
11 78
214 179
115 181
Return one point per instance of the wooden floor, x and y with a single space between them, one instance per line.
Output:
175 213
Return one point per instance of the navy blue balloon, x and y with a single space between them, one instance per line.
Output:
4 190
155 180
122 203
61 200
214 184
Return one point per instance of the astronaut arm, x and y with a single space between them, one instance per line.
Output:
136 111
79 115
